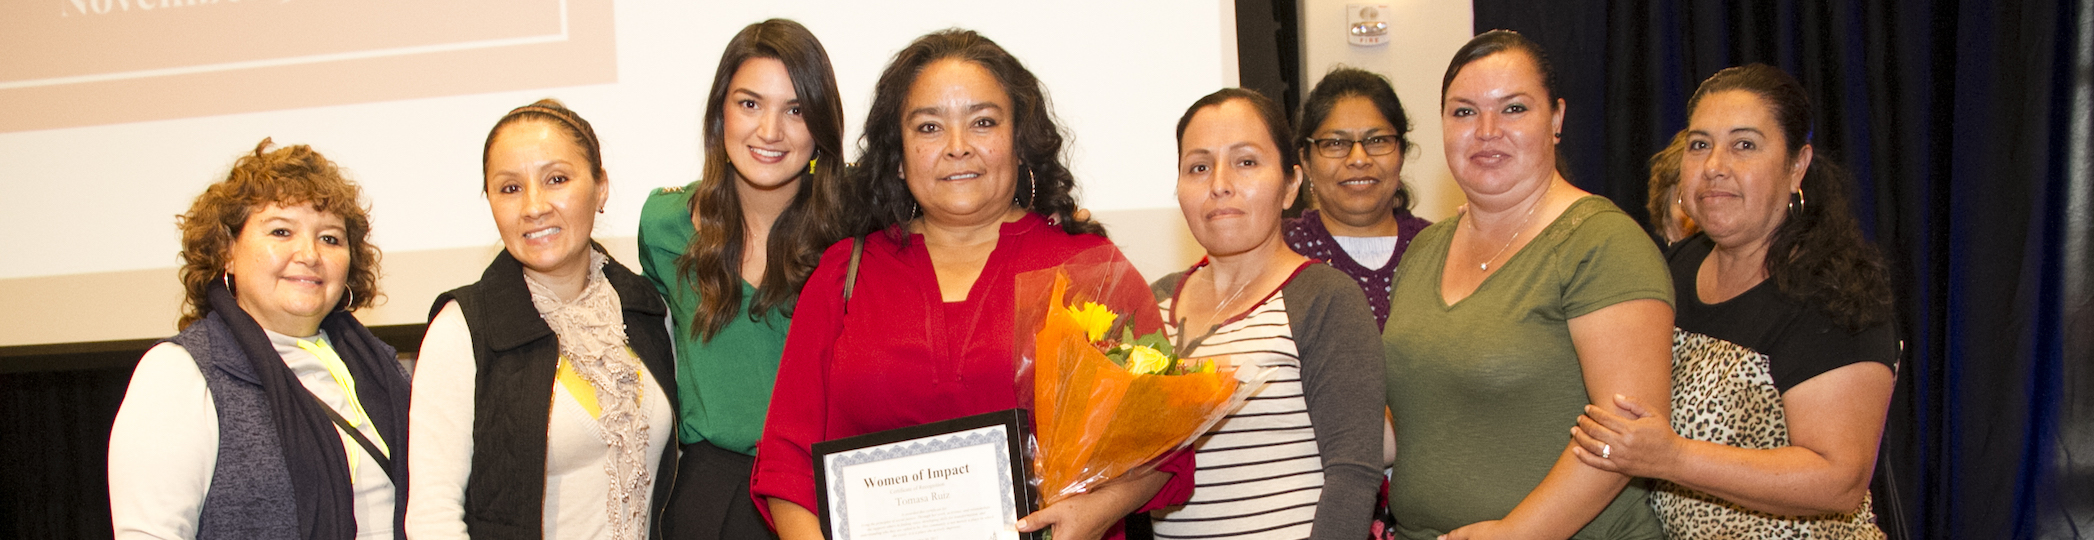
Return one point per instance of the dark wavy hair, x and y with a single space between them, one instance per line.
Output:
712 262
1817 255
1344 82
1037 137
551 111
288 176
1275 121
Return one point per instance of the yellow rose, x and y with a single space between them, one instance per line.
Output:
1094 319
1147 361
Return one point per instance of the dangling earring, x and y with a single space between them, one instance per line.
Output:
1797 204
1033 187
227 278
810 164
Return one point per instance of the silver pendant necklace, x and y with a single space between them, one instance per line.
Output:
1524 222
1232 296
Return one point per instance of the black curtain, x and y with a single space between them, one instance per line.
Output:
1970 158
54 471
1268 50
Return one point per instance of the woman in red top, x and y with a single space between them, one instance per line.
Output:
960 166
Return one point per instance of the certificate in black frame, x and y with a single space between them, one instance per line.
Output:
1017 434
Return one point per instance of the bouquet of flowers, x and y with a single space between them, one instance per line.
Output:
1105 397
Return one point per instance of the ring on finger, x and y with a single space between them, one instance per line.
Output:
1606 451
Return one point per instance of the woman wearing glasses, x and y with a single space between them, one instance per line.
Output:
1353 138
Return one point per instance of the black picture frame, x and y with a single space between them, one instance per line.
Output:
1017 433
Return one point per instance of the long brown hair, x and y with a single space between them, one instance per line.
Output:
1036 136
288 176
712 262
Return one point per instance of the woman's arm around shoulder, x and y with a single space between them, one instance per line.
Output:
440 422
163 448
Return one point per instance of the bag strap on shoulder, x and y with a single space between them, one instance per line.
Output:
385 463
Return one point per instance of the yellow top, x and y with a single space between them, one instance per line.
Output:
356 416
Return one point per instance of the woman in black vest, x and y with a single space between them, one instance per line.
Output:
546 391
274 413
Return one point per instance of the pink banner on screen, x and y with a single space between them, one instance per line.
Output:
91 62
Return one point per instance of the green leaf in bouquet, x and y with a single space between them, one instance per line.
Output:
1118 355
1156 340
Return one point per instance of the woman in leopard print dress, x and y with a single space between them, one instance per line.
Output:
1784 353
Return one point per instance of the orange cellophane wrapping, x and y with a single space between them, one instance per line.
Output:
1095 421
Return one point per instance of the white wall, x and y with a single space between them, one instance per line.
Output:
92 243
1423 36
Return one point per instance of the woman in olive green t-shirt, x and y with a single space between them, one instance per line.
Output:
1507 320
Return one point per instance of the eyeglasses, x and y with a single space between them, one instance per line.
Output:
1379 145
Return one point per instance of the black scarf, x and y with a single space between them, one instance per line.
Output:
311 446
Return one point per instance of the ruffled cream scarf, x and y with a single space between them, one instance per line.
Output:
591 330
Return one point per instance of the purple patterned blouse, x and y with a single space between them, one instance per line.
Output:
1308 237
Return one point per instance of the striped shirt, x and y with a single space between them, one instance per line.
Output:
1260 474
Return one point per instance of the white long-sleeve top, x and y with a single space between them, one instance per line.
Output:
164 446
577 487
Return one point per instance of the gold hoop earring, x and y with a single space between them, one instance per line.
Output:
1797 204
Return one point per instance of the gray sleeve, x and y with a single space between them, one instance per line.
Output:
1166 286
1341 360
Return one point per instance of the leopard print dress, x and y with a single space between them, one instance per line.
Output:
1724 393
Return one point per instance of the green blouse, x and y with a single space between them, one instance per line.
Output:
1484 392
725 384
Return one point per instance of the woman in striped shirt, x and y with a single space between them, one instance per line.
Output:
1301 458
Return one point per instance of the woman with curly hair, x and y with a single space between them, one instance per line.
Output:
274 413
1669 223
1785 351
960 170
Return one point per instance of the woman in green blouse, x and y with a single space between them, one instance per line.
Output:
1508 319
730 253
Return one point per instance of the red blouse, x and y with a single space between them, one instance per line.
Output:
902 357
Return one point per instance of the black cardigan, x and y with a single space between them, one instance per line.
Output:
517 355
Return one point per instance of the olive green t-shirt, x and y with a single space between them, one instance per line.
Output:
724 384
1484 392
